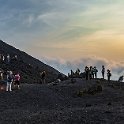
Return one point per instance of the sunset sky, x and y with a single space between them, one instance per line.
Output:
65 30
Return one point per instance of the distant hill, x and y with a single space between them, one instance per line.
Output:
28 66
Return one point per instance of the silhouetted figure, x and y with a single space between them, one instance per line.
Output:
43 77
77 73
68 74
121 78
103 72
72 73
87 72
2 58
91 74
95 71
109 74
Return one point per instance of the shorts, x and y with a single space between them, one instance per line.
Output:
17 83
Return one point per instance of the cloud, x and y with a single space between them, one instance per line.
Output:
72 28
64 19
65 66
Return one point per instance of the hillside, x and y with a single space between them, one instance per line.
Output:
29 67
60 104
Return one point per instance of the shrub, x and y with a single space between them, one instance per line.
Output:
80 93
73 80
91 90
94 89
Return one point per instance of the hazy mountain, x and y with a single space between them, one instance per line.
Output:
28 66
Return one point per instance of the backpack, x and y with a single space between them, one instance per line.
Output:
10 78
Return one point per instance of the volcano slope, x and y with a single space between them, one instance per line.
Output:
29 67
61 103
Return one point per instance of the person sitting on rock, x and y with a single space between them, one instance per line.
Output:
109 74
17 80
120 78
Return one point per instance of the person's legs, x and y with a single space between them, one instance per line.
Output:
18 84
108 78
10 86
103 75
18 87
95 75
44 81
7 86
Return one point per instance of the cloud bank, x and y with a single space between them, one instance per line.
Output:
65 66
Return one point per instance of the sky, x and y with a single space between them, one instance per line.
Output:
66 33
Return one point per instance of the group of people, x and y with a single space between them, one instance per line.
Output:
91 73
11 79
14 79
7 58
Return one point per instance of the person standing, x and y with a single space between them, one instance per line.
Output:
43 77
109 74
87 73
95 71
3 58
91 75
17 80
8 58
103 72
1 75
9 81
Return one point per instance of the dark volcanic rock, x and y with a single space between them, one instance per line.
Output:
48 104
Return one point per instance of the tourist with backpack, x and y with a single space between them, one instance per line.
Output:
9 81
109 74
